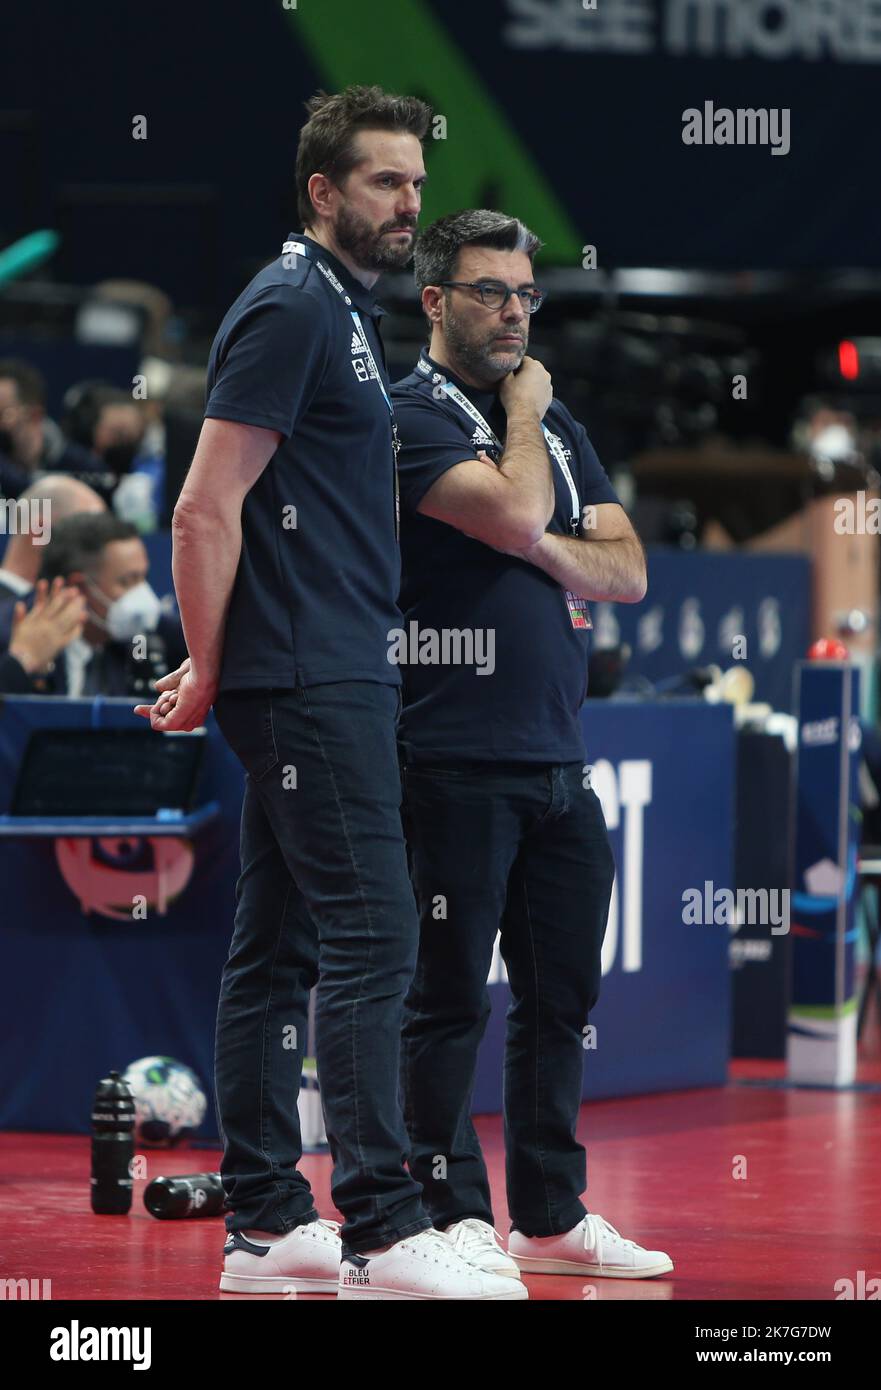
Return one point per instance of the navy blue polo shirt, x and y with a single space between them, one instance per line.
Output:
315 590
527 709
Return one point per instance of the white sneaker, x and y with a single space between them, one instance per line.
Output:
306 1260
422 1266
482 1245
591 1247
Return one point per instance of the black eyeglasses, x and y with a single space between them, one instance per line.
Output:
495 295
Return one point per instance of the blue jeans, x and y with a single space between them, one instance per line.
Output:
519 848
324 897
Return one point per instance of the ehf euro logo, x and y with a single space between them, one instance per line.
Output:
115 876
559 447
363 369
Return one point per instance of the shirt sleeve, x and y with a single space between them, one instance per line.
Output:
431 444
594 487
14 680
271 360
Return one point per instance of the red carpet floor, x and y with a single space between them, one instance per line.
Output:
660 1168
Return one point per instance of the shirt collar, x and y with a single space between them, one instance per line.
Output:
80 649
15 582
358 293
484 400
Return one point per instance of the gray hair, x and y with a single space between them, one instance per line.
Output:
438 247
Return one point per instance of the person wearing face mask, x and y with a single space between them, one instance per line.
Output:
40 507
126 638
111 426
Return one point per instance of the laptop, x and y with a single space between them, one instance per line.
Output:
107 772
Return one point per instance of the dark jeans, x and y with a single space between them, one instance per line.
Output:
324 896
520 848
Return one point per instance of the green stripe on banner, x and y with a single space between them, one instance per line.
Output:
400 45
828 1011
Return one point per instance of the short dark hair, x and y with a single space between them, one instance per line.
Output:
83 403
327 140
438 247
76 542
30 384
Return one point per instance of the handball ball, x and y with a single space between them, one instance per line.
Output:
169 1101
828 649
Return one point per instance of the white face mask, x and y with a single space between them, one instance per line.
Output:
135 612
834 442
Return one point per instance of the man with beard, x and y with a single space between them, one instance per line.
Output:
509 524
286 568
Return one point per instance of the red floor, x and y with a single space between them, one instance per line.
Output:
807 1214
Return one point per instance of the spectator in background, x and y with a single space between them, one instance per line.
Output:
30 441
126 640
112 425
61 497
13 480
56 496
38 636
173 407
106 421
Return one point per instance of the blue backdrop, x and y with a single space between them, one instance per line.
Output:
586 105
86 992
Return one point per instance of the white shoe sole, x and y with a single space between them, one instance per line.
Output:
496 1273
528 1264
518 1290
275 1283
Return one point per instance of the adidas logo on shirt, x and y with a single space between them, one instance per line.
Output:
357 344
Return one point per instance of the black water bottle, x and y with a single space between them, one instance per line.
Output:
189 1194
113 1146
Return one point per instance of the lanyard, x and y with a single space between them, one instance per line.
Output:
553 441
579 613
299 248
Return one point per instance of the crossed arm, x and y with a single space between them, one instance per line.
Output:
606 562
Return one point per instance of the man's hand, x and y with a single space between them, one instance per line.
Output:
530 385
183 702
56 618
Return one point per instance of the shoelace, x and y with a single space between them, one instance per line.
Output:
332 1226
473 1236
434 1244
596 1227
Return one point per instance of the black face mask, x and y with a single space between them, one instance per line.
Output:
118 457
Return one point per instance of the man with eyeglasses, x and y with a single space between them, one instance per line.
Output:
509 525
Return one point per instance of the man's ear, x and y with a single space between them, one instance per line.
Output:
431 302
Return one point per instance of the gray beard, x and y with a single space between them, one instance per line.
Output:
477 360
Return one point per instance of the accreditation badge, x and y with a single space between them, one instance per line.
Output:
579 613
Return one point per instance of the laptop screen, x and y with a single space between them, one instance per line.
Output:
107 772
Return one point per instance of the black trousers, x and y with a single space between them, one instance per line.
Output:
324 897
520 849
